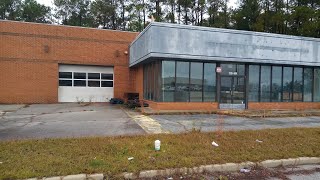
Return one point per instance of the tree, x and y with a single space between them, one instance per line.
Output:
74 12
136 12
35 12
303 21
104 12
10 9
246 16
156 10
170 16
184 6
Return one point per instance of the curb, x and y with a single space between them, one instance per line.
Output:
228 167
73 177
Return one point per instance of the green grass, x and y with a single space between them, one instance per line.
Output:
109 155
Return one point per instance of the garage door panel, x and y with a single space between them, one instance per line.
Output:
74 94
79 83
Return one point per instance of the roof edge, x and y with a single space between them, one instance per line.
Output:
68 26
233 31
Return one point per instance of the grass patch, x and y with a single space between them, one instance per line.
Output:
109 155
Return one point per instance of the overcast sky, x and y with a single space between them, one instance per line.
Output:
49 2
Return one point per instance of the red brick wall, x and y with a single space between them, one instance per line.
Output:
203 106
30 54
28 82
206 106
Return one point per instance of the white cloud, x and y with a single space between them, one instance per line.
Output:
46 2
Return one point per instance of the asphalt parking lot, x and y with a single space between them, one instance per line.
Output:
102 119
64 120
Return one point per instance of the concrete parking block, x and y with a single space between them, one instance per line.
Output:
53 178
76 177
148 174
309 160
129 176
271 163
290 162
95 177
230 167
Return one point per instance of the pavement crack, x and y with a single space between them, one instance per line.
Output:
184 127
148 124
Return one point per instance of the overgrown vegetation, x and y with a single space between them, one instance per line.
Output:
109 155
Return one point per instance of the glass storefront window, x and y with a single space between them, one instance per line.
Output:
316 86
168 81
232 69
276 84
287 84
209 82
297 84
254 72
307 85
182 82
196 73
265 83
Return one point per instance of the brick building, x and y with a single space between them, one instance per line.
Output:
170 66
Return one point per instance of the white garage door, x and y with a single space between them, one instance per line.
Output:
79 83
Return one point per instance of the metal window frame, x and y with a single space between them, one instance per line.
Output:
282 68
259 90
202 81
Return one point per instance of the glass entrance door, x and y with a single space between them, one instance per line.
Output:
232 92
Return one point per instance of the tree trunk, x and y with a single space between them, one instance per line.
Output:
186 13
144 14
122 16
172 13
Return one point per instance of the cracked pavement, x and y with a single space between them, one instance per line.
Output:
64 120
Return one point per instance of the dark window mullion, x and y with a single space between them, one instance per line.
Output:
202 82
175 81
302 84
270 88
292 82
282 84
259 91
313 82
189 81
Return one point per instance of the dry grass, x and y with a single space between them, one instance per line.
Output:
109 155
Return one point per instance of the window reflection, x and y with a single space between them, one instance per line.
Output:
297 84
209 82
168 81
316 90
254 72
287 84
265 83
182 82
196 73
276 83
308 79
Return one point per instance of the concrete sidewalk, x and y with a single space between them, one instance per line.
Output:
250 113
213 122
